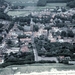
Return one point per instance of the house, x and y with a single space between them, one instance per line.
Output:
24 48
13 33
71 62
53 39
29 33
60 40
27 28
36 34
67 22
61 58
13 49
25 40
44 32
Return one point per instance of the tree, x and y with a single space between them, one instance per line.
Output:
22 36
1 25
73 17
1 38
63 33
20 28
11 58
70 33
10 43
35 28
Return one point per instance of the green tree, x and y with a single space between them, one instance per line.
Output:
63 33
35 28
70 33
1 38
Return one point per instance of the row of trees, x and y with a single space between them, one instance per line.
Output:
19 56
41 2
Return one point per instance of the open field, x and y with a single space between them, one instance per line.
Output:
48 6
37 68
23 2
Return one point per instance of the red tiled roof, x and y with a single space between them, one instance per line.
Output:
24 49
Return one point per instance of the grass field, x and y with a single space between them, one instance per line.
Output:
36 68
23 2
49 5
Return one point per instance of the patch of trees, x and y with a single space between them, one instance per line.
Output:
63 34
1 30
10 43
69 33
41 2
4 16
47 48
57 1
1 10
19 56
44 2
73 17
2 2
63 19
20 28
26 19
22 36
71 4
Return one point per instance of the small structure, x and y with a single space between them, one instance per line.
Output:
24 49
71 62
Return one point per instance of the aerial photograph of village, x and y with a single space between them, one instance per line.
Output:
37 37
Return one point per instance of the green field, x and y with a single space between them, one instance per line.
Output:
48 6
36 68
23 2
